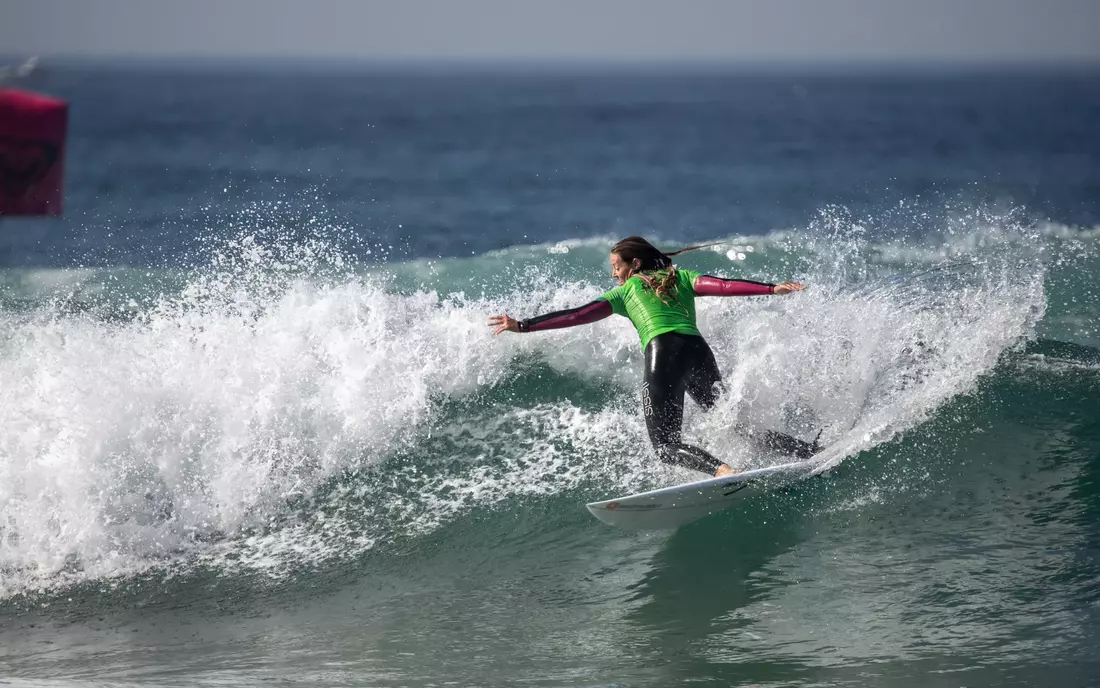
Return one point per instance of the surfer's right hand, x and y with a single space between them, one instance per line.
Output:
503 323
787 288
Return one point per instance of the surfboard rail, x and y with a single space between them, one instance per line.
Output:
671 507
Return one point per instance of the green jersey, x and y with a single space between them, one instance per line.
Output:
652 316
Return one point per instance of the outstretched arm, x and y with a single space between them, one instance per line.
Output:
706 285
582 315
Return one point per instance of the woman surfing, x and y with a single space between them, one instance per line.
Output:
659 299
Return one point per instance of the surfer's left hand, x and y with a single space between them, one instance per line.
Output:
503 323
787 288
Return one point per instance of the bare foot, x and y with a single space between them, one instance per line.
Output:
723 471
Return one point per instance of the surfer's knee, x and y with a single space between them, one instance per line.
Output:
666 451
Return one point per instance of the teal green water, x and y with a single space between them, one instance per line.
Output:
329 473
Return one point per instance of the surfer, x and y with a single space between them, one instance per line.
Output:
659 299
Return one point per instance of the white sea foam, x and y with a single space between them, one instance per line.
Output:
196 432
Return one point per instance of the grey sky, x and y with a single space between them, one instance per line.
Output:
798 30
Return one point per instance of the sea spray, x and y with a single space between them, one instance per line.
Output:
288 405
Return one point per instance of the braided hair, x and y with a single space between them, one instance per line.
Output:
652 260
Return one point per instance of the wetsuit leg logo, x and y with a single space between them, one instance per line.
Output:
647 402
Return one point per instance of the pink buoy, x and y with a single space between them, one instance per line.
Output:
32 152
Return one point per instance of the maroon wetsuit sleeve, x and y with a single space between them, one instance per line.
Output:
588 313
705 285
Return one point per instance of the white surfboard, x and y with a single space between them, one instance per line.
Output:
670 507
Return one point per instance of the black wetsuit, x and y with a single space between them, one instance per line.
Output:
676 363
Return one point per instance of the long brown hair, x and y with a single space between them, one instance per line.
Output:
651 259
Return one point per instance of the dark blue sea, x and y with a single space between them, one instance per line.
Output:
254 429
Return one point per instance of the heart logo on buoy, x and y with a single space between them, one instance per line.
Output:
24 163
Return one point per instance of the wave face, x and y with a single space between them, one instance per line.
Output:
288 408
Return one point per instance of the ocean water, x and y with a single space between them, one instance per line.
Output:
254 429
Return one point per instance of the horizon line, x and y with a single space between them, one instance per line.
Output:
45 59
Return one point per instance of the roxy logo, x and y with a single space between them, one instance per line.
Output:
23 164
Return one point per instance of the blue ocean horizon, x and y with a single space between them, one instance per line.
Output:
488 156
